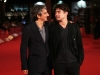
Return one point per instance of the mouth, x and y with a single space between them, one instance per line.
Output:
57 17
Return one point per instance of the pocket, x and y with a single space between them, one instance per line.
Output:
75 44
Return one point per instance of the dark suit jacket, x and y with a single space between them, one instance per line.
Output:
74 41
35 59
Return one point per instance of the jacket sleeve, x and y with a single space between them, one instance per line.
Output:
80 46
52 52
23 48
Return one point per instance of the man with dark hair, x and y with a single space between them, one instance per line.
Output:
35 60
65 43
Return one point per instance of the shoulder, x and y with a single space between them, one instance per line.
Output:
73 25
28 26
52 27
53 24
47 23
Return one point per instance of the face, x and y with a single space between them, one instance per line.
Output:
60 14
44 15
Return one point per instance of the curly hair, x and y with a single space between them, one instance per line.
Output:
63 7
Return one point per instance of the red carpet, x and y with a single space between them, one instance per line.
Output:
91 65
10 58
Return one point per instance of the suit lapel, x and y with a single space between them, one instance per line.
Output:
36 32
46 32
70 29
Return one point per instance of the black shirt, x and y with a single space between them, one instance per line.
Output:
65 55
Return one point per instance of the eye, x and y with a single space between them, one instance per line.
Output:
59 12
45 13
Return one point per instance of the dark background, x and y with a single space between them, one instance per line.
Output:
29 1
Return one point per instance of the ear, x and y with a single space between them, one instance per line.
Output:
66 13
38 16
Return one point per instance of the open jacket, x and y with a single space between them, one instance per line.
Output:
74 41
35 58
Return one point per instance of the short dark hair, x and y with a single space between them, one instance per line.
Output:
63 7
36 10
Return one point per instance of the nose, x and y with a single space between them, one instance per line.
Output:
47 14
56 14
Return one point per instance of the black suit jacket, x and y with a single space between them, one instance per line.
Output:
35 59
74 41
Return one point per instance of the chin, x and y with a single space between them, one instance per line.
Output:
58 19
46 20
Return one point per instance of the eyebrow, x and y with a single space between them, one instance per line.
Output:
57 11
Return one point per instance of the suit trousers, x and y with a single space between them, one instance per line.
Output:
40 73
67 68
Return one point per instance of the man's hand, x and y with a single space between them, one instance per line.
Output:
25 72
71 21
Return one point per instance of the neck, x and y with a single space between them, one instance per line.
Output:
39 23
63 22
